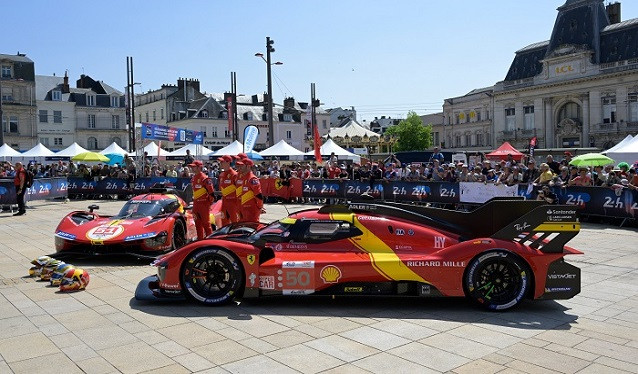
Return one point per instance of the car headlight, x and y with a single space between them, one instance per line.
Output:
157 241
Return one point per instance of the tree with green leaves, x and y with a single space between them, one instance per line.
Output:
412 135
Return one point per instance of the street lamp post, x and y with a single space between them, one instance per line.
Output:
269 49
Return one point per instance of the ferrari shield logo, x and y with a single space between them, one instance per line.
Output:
250 259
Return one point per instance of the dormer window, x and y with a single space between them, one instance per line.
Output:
203 113
115 102
90 100
287 117
7 71
248 116
56 95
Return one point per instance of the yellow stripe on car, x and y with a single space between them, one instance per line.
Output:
558 226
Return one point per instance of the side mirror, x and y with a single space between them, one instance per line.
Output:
93 207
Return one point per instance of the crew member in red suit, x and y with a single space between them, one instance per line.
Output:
227 180
203 197
333 171
250 198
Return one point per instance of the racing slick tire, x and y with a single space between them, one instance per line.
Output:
179 235
497 280
212 276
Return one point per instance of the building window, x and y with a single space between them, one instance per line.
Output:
287 117
203 113
56 96
214 132
468 140
487 114
7 94
91 123
249 116
90 100
224 115
91 143
324 123
633 107
510 119
457 141
13 124
569 110
161 113
609 109
436 138
57 116
488 140
288 134
44 141
43 115
154 115
479 139
6 71
478 115
203 130
226 133
57 141
529 117
115 101
146 117
115 122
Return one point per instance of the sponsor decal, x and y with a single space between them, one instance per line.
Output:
65 235
105 232
250 259
97 242
353 289
267 282
399 232
452 264
362 207
558 289
141 202
169 286
439 242
298 264
139 236
411 232
252 279
484 241
425 289
400 247
330 274
297 292
561 276
371 218
277 247
521 226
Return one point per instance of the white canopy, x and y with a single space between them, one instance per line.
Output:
152 149
114 149
38 151
282 149
627 153
622 143
70 151
233 149
7 151
193 148
330 146
350 129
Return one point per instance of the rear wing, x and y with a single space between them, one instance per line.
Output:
546 228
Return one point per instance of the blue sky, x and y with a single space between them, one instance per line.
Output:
382 57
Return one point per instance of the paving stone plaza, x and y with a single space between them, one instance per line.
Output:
105 330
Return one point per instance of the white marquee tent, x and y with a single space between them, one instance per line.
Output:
622 143
70 151
152 149
627 153
342 154
38 151
233 149
7 151
283 149
203 151
114 149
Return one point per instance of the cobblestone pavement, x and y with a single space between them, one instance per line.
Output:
104 329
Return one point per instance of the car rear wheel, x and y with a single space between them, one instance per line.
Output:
212 276
179 235
497 280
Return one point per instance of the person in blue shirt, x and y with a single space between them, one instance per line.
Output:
437 155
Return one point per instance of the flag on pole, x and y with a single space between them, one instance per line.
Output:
532 145
315 135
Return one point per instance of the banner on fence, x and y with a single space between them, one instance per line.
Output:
472 192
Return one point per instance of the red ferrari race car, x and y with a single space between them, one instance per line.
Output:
498 255
146 226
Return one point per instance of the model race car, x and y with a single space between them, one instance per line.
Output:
503 252
147 225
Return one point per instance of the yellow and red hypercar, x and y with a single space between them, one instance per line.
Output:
498 255
147 225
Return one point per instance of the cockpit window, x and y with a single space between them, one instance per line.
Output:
147 208
326 231
275 232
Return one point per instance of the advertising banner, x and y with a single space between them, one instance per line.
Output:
250 138
324 188
354 189
7 192
472 192
153 131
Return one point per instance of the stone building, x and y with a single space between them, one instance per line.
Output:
17 82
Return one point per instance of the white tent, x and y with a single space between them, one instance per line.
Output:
283 149
38 151
7 151
342 154
114 149
627 153
233 149
203 151
152 149
70 151
622 143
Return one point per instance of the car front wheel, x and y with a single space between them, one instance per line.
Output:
212 276
497 280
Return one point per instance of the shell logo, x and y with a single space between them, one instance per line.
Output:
330 274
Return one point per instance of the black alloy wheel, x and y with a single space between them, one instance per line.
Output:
212 276
179 235
497 280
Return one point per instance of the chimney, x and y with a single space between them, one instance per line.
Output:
180 83
255 99
289 102
613 13
195 84
65 85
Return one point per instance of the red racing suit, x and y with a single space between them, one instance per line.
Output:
250 198
230 202
202 199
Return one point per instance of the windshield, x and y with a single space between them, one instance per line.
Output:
145 208
272 232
